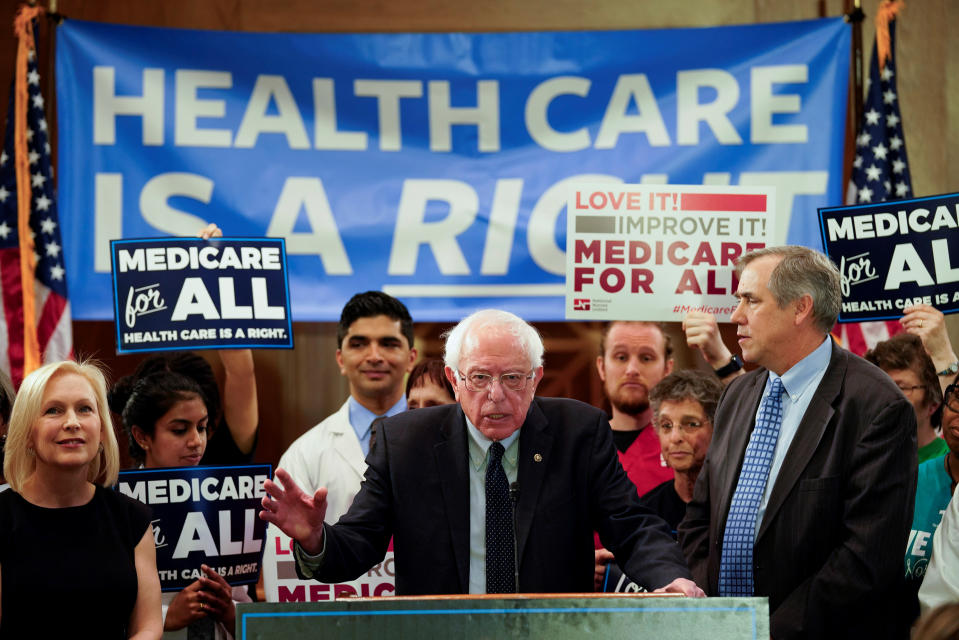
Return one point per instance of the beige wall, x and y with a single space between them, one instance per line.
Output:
299 388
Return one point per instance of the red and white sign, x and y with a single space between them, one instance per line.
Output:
657 252
281 583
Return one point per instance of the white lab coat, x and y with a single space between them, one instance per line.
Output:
328 455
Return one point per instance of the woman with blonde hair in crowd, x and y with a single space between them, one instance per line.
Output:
77 558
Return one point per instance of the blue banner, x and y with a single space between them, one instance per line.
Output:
187 293
894 254
203 515
435 167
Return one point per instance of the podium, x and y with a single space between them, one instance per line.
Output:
546 616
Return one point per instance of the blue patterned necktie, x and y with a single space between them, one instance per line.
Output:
500 564
736 565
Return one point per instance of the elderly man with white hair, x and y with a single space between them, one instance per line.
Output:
498 493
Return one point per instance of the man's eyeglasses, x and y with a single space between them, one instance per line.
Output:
688 426
951 397
480 381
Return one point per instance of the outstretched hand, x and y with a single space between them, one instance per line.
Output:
296 513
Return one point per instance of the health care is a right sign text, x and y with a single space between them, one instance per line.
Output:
894 254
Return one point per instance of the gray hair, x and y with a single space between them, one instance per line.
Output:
462 335
688 384
802 271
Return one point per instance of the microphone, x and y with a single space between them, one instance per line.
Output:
514 500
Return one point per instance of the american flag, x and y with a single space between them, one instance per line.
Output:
47 286
880 171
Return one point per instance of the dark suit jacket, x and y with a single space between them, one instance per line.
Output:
830 546
416 489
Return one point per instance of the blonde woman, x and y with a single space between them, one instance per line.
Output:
77 559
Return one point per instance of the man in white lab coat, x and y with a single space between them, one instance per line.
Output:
375 352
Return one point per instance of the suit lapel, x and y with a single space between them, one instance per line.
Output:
807 438
730 460
451 457
535 444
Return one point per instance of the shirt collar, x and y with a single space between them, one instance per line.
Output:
800 376
479 446
361 418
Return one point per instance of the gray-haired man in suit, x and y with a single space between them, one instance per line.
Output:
806 495
500 492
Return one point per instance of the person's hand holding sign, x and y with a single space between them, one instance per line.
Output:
240 410
296 513
198 600
929 324
702 333
218 603
210 231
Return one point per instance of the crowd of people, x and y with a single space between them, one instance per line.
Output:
796 471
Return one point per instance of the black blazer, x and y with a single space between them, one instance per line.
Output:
830 548
416 489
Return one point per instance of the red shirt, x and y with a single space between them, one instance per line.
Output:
644 463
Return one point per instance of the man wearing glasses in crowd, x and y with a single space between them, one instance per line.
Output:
904 358
683 405
498 493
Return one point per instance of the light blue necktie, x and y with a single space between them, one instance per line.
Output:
736 565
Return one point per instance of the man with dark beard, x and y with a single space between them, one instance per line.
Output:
633 358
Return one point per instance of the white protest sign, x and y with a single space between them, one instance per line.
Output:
281 583
202 515
657 252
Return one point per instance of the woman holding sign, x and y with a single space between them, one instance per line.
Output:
77 559
234 420
166 416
